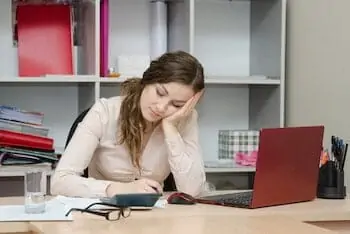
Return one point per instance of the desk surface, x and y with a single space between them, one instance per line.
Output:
315 217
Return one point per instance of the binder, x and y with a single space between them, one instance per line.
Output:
16 139
44 40
16 156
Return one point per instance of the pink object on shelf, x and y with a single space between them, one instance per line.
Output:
246 159
104 38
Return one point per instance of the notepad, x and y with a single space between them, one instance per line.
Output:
55 211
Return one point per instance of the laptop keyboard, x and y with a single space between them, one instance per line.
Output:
242 199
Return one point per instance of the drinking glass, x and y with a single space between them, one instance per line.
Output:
35 191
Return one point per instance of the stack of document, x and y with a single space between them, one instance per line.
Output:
22 116
23 139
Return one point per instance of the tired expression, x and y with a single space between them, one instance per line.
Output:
159 101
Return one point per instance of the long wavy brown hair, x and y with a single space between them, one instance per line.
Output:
177 66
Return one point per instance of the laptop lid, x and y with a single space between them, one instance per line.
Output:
287 165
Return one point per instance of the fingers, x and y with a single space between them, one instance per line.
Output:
187 108
193 102
154 185
196 98
198 95
149 189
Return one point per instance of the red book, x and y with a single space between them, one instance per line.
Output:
17 139
44 40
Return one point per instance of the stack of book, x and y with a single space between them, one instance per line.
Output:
23 138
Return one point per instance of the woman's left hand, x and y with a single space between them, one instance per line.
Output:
185 110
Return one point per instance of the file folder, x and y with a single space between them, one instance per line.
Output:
44 40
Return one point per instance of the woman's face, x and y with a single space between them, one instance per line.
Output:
159 101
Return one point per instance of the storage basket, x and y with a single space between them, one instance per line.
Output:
232 142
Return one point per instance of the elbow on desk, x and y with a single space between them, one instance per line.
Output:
58 185
194 189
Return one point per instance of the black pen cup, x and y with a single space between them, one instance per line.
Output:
331 182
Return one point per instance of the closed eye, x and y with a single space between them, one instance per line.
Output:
160 93
177 105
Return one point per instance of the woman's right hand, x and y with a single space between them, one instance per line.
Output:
137 186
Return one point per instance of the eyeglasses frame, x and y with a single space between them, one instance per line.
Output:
103 214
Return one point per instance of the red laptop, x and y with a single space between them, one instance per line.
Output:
286 169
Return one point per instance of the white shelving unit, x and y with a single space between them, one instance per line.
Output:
241 44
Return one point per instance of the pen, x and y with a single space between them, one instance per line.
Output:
344 157
337 149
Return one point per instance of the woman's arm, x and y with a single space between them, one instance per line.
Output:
67 179
185 157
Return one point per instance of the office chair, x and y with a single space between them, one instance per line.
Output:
169 182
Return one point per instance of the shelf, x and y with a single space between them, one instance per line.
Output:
226 167
112 79
61 102
131 39
241 47
261 80
89 79
49 79
13 171
258 80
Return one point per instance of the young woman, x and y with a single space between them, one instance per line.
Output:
130 143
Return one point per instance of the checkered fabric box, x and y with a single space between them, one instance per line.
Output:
235 141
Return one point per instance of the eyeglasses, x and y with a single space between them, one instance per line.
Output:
109 214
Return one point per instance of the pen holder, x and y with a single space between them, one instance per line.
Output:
331 182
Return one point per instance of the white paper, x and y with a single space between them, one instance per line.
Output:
158 28
55 211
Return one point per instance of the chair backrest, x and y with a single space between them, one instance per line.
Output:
169 182
75 125
80 117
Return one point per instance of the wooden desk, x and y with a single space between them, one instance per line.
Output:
316 217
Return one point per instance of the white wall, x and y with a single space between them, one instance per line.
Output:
318 68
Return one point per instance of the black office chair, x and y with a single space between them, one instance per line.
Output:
169 182
80 117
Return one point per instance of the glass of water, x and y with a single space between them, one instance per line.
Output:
35 191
